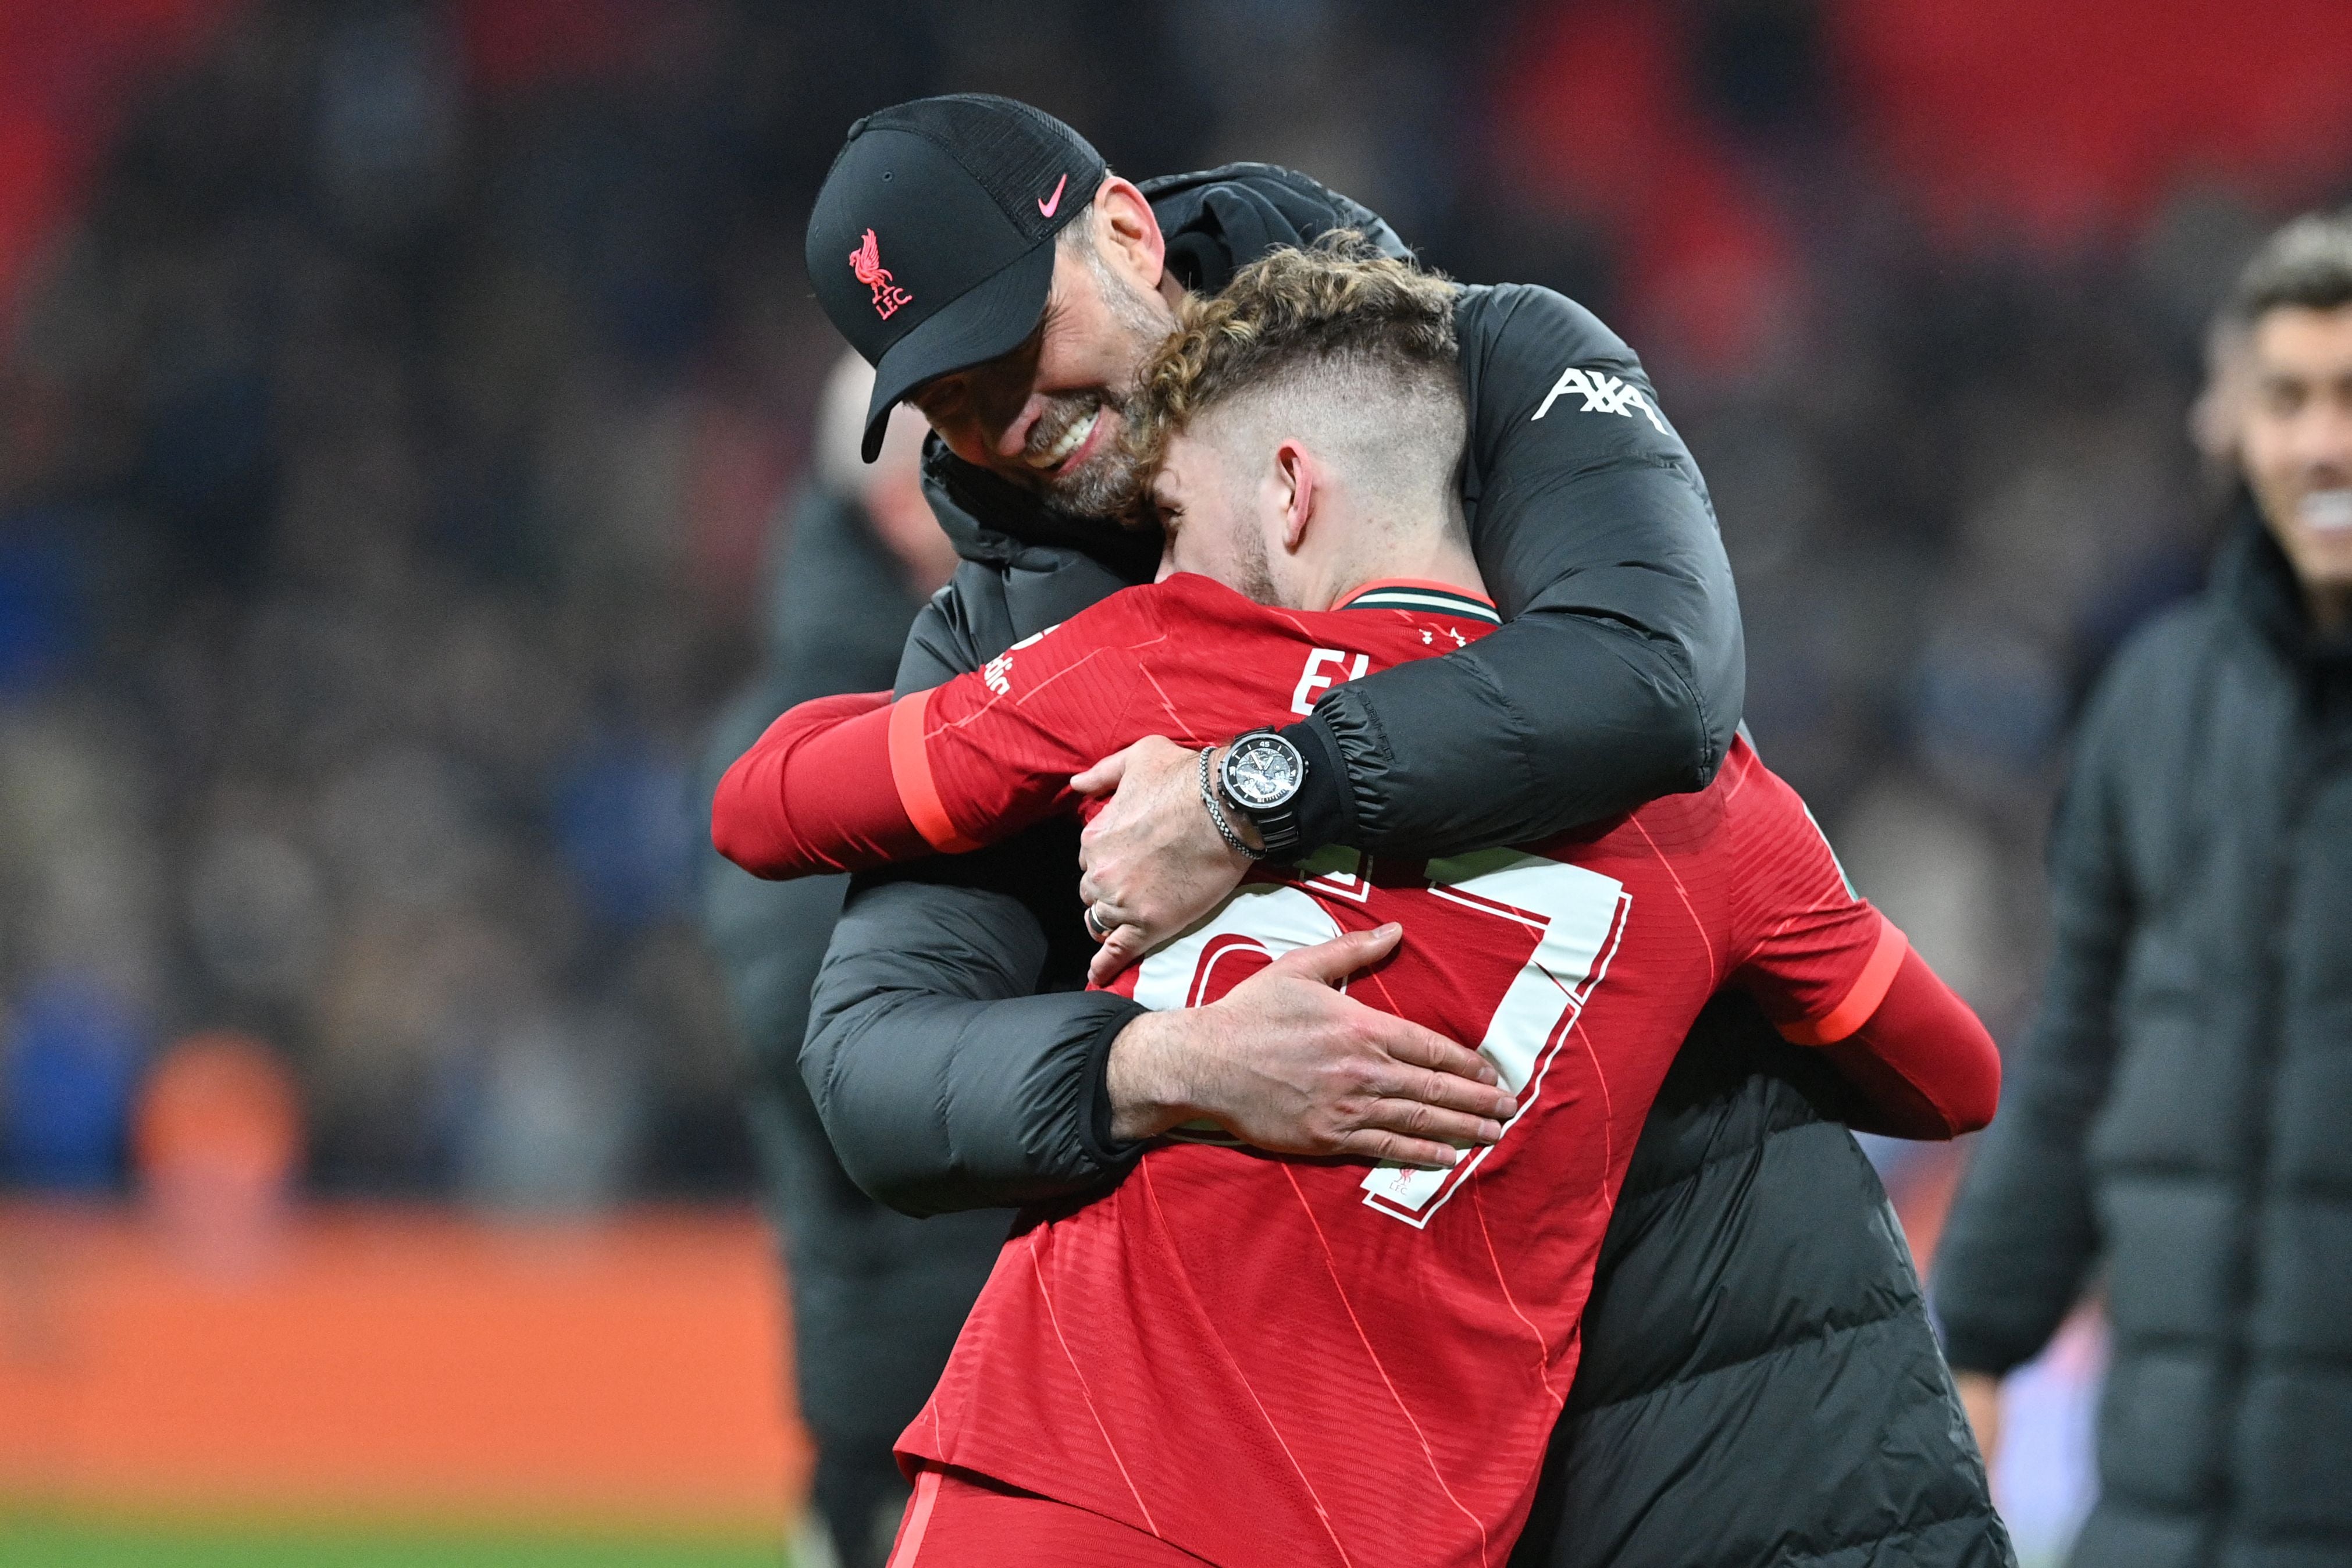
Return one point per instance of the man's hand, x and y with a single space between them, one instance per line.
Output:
1152 862
1979 1397
1289 1065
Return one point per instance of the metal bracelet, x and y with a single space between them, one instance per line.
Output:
1217 813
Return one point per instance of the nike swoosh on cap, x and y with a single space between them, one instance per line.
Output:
1048 206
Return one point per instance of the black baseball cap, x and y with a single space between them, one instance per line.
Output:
932 242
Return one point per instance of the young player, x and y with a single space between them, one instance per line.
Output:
1252 1359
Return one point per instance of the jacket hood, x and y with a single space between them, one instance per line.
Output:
1217 221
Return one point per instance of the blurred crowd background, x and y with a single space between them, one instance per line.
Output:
398 402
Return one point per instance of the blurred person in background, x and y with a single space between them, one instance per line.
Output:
876 1297
2175 1121
952 1066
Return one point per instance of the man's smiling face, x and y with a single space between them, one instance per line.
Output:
1050 415
2296 438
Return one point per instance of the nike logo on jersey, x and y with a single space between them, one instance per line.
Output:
1048 206
1602 394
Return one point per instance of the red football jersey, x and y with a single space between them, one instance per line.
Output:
1277 1361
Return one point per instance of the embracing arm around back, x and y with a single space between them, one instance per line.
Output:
1619 673
1923 1060
954 1061
852 782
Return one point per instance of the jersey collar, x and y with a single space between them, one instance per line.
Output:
1415 594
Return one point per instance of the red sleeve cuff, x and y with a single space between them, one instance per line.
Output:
1869 989
1922 1059
910 771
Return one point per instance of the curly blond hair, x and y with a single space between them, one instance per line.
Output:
1338 319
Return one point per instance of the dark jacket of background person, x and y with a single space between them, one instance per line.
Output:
1759 1383
876 1297
2179 1110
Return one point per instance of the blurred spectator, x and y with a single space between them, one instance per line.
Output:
2177 1113
877 1298
219 1139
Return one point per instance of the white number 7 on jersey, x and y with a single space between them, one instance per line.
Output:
1580 915
1575 915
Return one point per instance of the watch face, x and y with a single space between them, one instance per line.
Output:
1262 772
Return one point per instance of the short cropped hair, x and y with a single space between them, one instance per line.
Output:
2307 263
1338 322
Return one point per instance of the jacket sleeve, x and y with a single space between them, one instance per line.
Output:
1619 675
943 1083
2023 1235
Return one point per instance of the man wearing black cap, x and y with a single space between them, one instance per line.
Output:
1759 1383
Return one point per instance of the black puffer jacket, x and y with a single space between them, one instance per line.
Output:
1758 1381
1759 1384
2179 1113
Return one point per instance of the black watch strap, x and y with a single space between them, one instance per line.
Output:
1278 830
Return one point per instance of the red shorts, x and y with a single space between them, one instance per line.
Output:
958 1520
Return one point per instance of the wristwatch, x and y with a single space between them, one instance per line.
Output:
1262 775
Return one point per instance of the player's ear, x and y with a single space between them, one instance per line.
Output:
1127 233
1294 473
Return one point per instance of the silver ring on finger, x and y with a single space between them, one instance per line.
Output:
1095 926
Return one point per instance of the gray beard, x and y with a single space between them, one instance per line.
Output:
1110 485
1106 486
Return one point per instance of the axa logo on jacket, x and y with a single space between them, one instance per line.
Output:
1602 394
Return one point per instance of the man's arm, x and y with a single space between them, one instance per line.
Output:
810 794
943 1081
2022 1235
945 1085
850 784
1622 674
1619 674
1924 1059
1836 976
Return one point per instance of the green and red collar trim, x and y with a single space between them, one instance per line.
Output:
1415 594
